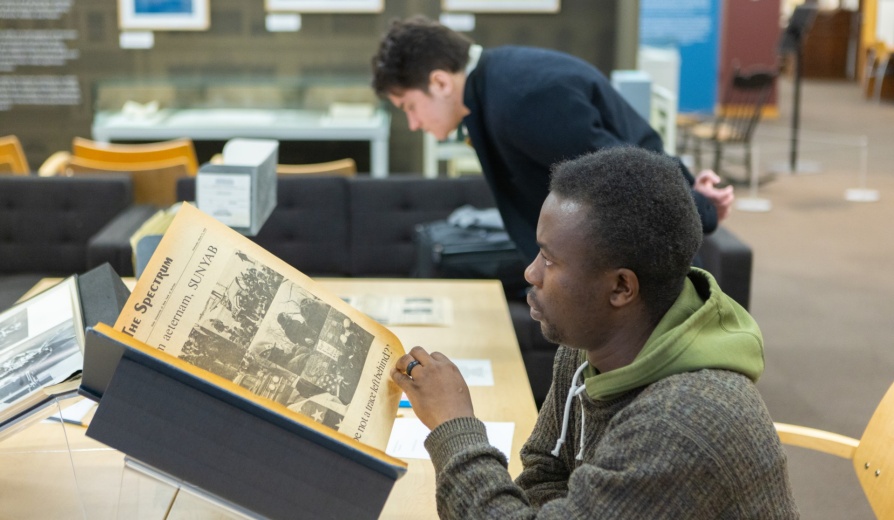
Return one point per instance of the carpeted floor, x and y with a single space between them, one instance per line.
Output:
823 281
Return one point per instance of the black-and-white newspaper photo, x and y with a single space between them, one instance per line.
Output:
279 341
216 300
41 343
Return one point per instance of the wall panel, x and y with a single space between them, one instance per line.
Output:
238 46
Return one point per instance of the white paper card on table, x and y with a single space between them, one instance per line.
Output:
395 310
75 413
476 372
407 439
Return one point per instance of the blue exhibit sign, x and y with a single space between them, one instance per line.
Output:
163 6
693 27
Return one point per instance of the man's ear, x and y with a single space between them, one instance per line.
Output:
440 83
625 288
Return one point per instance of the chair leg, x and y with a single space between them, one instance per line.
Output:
683 140
698 155
881 71
718 156
748 164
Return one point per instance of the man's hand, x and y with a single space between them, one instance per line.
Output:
722 198
435 388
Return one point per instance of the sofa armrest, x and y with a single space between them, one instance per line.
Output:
730 261
112 243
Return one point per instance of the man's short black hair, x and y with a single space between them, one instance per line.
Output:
411 50
643 217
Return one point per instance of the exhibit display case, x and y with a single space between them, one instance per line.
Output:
302 109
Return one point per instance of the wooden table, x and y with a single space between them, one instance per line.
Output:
36 476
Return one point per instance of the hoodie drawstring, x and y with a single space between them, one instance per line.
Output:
576 389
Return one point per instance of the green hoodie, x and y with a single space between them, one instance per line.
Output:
704 328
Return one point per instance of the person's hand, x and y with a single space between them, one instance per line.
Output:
722 198
435 388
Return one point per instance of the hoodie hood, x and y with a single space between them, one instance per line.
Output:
704 328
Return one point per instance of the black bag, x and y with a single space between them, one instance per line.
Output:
444 250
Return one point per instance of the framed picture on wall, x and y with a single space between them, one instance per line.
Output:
501 6
326 6
163 15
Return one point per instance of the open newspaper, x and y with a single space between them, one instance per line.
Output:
218 301
41 340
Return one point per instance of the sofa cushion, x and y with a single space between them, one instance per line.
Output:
384 213
729 259
13 286
46 222
112 243
308 229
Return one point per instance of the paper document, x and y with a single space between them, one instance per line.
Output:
226 198
224 306
404 310
75 413
408 438
476 372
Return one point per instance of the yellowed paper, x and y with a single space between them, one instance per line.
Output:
213 298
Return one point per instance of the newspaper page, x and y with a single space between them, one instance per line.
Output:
217 300
41 341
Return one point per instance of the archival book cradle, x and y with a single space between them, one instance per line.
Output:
213 435
68 463
97 295
147 493
100 295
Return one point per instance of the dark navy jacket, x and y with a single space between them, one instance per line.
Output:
533 107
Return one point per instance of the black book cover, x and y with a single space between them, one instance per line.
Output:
231 446
102 295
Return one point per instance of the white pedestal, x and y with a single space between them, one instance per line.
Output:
861 195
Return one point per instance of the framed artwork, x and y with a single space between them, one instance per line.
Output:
326 6
501 6
163 15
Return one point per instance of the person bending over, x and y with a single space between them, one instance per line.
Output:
653 410
524 109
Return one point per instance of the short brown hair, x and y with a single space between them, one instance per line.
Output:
413 48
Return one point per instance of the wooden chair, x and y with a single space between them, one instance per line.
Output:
878 57
12 157
741 107
137 153
345 167
154 167
153 182
872 455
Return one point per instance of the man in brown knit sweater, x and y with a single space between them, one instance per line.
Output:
653 411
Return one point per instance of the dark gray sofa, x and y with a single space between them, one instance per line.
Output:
46 224
364 227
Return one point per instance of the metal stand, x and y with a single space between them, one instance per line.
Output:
862 194
792 42
149 493
60 495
